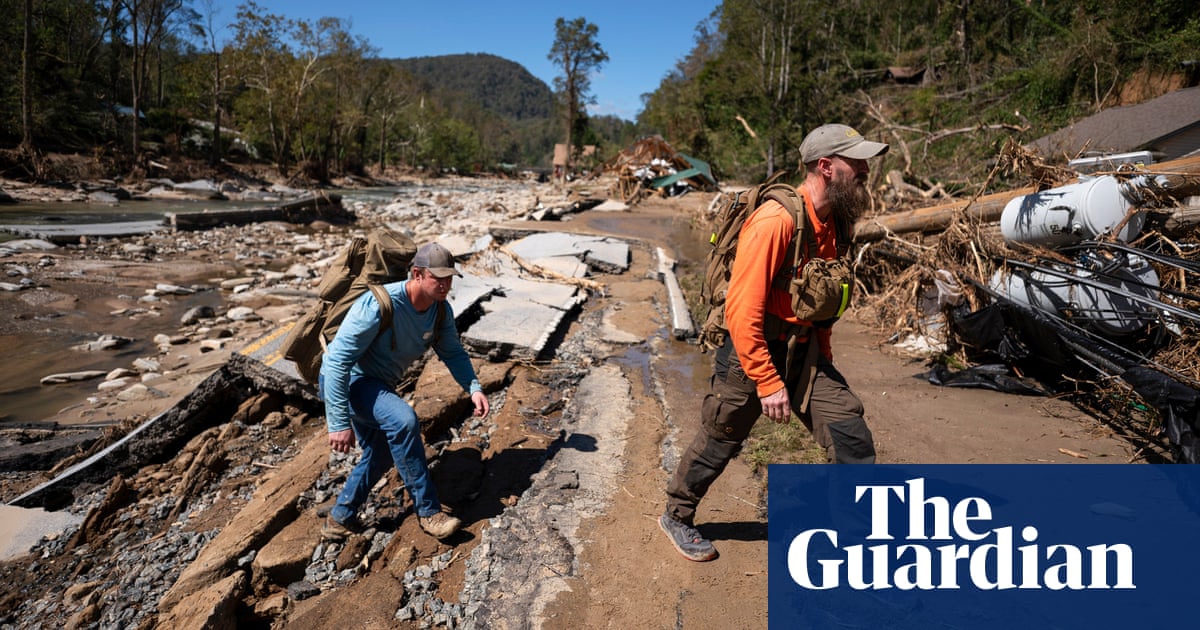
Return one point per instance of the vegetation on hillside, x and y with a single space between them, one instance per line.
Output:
762 74
945 81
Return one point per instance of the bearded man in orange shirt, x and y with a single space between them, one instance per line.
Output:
751 376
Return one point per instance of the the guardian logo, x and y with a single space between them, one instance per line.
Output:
948 546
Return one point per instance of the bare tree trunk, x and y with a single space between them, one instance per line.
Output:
382 143
964 40
26 88
134 8
215 156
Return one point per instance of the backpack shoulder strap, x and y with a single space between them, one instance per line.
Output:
385 309
439 321
793 202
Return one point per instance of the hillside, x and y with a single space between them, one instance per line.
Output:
496 84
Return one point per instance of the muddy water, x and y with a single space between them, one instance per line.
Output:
676 371
38 347
37 338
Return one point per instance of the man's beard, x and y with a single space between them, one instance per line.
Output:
848 198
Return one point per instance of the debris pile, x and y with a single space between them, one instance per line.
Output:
1083 291
652 166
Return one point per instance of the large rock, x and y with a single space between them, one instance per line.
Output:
282 561
272 508
212 608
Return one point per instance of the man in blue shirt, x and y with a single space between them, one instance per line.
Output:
359 374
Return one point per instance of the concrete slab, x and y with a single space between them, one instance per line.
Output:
458 245
682 326
565 266
468 291
546 244
611 205
601 252
608 255
560 296
514 329
22 528
482 243
64 234
521 317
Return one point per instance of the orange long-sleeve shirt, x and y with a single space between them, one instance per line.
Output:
761 251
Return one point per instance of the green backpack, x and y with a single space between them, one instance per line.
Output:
820 292
365 264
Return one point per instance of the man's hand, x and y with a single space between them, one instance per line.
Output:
481 404
342 441
777 407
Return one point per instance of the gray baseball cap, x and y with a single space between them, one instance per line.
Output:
437 259
840 140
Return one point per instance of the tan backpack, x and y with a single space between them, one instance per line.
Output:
820 292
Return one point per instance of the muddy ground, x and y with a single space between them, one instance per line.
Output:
559 489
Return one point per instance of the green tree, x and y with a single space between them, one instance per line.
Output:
577 53
675 110
282 63
390 91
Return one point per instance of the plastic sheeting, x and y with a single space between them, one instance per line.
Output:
991 376
1046 347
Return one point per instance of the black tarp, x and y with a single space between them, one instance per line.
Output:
1047 348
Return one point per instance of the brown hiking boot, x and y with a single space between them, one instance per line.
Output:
439 525
334 530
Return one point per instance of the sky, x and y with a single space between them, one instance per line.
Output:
644 39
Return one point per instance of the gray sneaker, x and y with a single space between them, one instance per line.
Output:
686 539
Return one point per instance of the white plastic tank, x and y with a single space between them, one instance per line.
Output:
1069 214
1103 311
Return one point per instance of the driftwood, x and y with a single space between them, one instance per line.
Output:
988 208
928 137
985 209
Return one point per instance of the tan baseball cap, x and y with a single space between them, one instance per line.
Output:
437 259
840 140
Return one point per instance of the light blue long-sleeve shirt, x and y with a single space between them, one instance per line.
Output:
359 348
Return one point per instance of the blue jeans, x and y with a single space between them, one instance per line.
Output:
388 432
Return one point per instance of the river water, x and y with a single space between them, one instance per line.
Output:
32 353
35 347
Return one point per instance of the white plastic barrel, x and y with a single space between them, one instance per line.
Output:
1105 312
1069 214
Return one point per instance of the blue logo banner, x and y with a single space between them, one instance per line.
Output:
983 546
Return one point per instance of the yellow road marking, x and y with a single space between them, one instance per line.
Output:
265 340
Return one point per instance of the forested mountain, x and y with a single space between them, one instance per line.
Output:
498 85
468 83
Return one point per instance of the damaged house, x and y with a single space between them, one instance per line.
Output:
652 166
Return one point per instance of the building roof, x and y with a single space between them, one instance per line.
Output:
1127 128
